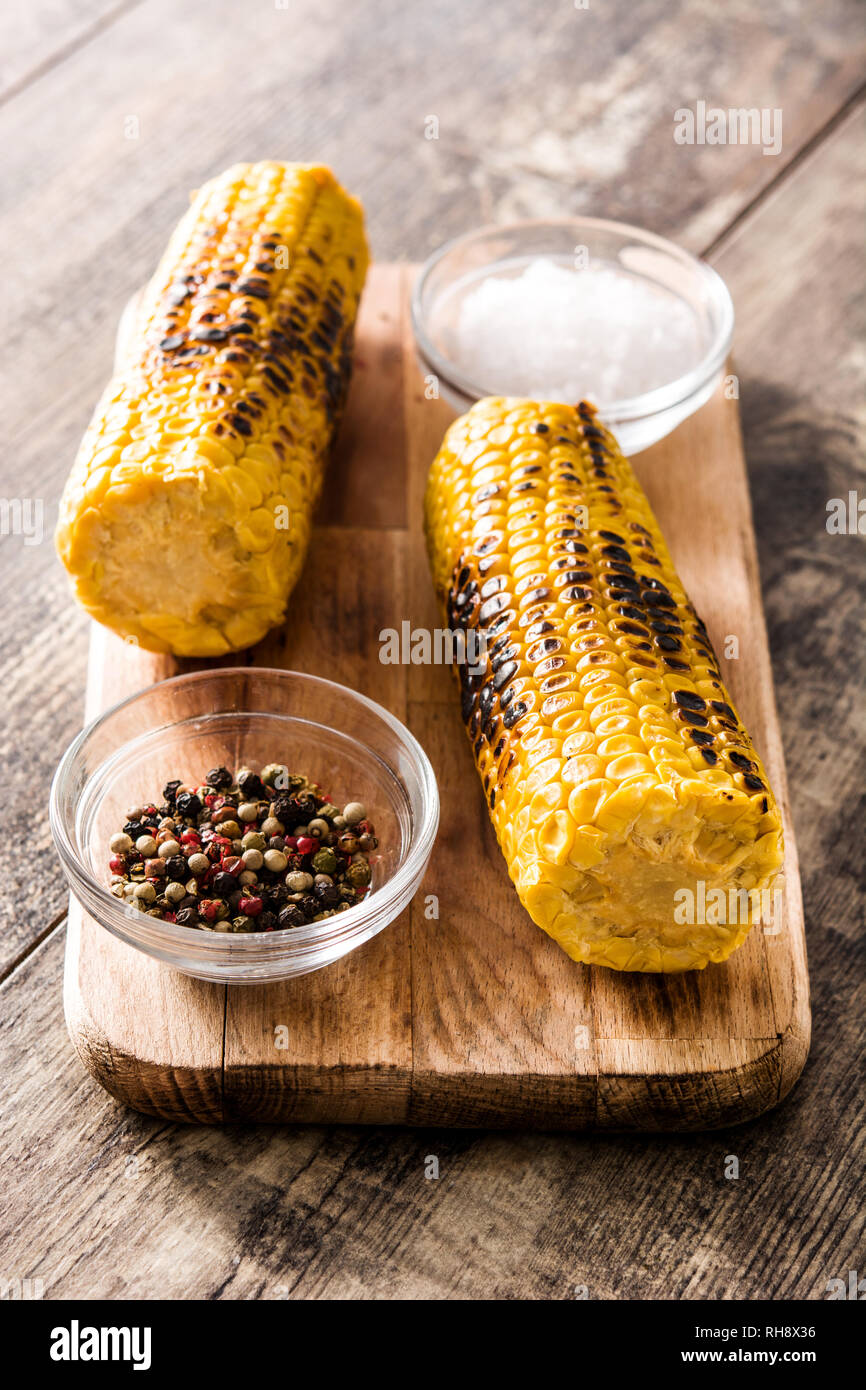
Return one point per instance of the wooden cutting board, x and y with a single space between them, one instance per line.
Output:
474 1018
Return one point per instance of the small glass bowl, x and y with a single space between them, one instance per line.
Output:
245 716
637 421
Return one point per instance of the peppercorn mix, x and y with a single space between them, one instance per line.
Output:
261 852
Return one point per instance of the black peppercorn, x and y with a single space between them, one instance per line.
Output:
169 791
283 807
219 777
187 917
308 905
291 916
175 869
251 785
327 893
188 805
266 921
224 884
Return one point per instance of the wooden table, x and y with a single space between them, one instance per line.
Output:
109 114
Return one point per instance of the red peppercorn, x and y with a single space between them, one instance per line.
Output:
116 864
223 841
190 837
251 907
230 864
214 853
307 845
291 842
208 908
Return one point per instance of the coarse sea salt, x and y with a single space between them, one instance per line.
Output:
560 334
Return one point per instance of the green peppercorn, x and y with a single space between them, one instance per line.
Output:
359 873
325 861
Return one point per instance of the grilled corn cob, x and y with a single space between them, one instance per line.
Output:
186 517
618 774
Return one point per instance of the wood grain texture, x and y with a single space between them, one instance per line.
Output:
471 1017
103 1202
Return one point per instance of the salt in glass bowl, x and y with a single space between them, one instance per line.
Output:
677 278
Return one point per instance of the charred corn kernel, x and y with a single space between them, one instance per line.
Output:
186 517
620 780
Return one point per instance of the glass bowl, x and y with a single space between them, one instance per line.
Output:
672 275
249 716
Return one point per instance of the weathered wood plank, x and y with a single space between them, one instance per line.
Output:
37 34
119 1205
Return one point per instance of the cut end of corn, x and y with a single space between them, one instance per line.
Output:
186 518
634 814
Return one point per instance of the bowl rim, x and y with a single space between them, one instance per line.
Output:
344 925
627 408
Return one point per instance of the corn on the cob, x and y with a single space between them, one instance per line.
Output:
616 769
186 517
